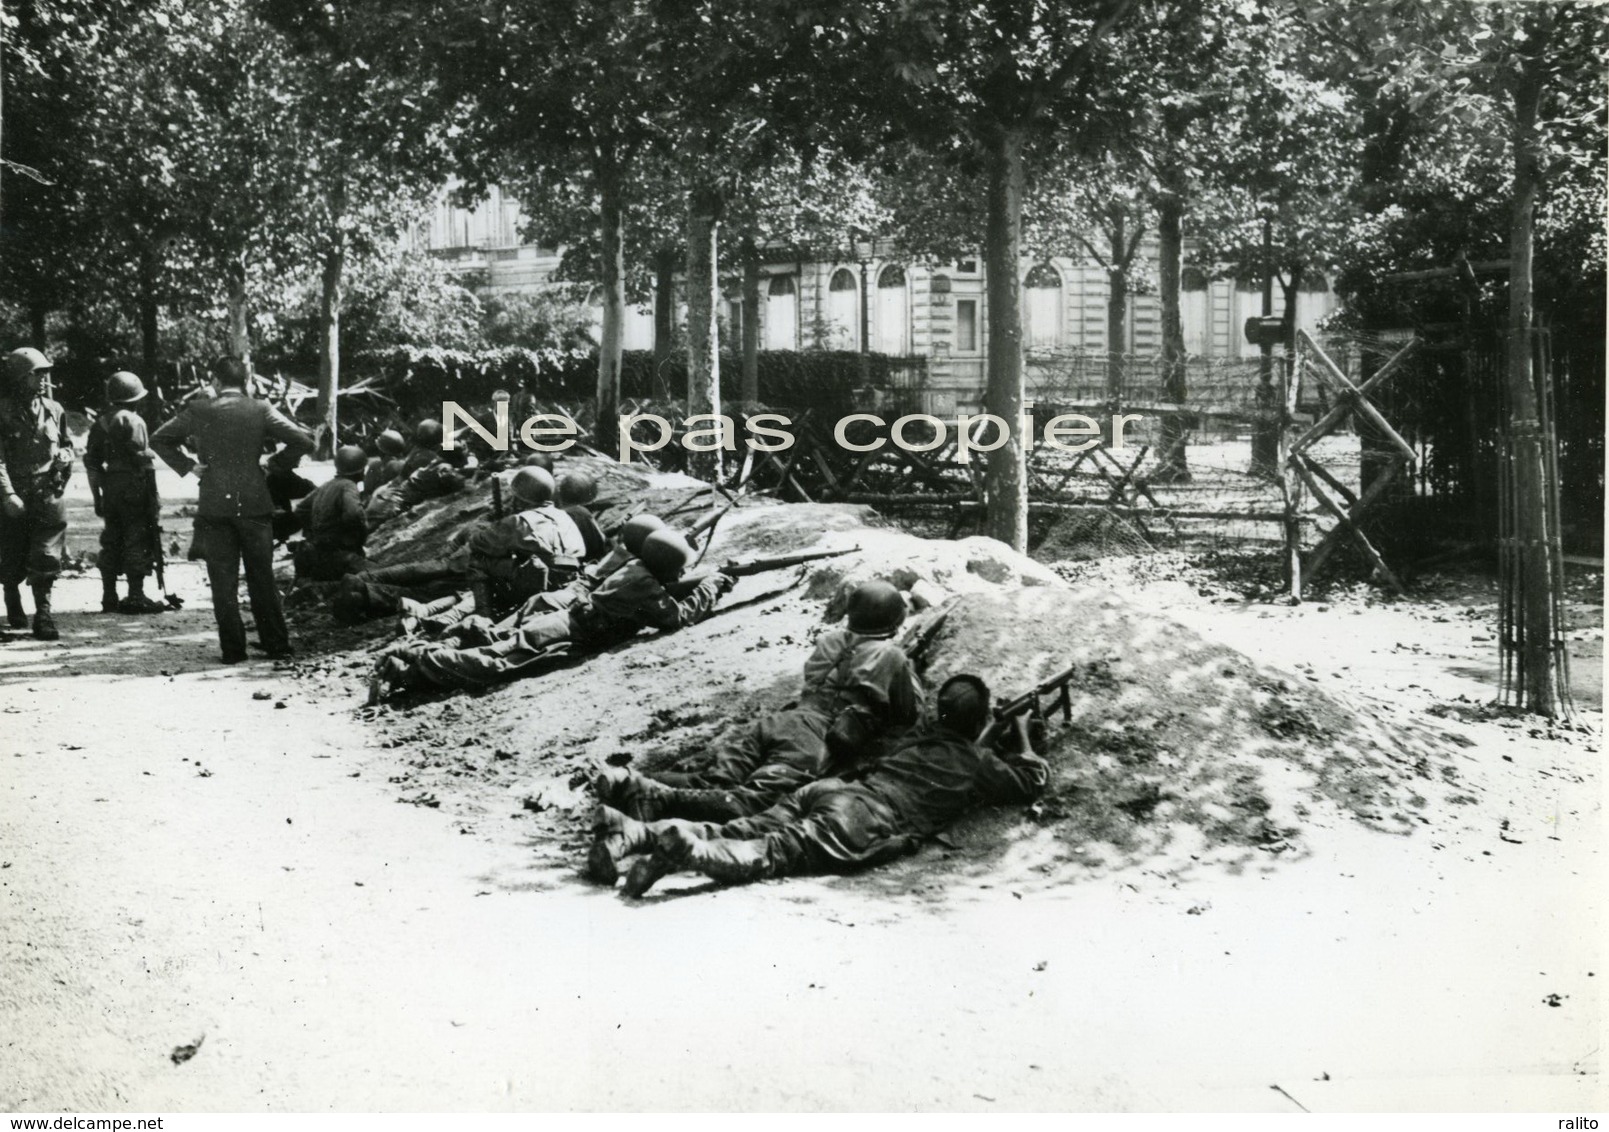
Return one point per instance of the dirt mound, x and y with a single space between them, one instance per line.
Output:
1176 751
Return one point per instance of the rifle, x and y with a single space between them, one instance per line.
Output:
497 497
153 513
745 567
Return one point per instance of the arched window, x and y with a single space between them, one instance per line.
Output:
781 313
1042 307
940 285
893 312
843 310
1193 279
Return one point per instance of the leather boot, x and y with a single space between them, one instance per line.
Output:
673 844
137 602
728 861
15 617
44 623
615 836
108 592
647 800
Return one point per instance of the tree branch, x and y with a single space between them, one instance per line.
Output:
1065 74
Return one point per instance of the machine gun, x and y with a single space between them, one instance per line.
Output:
1027 713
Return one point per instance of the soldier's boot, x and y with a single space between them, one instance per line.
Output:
108 592
137 602
614 837
44 623
673 845
15 617
720 858
647 800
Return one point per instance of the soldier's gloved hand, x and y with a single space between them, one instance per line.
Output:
13 507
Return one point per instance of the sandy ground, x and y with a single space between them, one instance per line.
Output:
190 853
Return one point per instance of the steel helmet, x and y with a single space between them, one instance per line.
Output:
20 363
390 443
350 460
666 554
876 607
577 489
124 388
637 528
428 434
533 486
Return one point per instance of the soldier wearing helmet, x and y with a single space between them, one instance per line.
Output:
928 780
122 481
536 549
386 466
576 491
440 473
634 597
426 446
36 461
332 521
859 688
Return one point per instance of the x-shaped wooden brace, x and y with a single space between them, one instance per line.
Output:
1336 497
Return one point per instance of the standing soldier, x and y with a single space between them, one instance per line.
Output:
234 514
36 461
122 480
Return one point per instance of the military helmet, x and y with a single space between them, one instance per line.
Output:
350 460
500 395
666 554
539 460
427 434
963 704
637 528
876 607
390 443
533 486
124 388
27 360
577 489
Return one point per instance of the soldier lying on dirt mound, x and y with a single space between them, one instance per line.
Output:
858 686
443 475
631 599
839 825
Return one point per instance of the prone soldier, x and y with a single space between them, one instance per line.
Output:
36 461
387 465
858 686
840 825
122 481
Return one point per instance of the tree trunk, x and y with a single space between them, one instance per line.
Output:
1006 517
612 276
239 329
1175 467
150 361
664 308
703 344
329 350
1117 310
36 325
751 320
1538 546
1265 428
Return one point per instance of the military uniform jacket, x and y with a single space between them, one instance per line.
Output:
847 669
543 532
34 444
408 491
936 775
228 433
118 445
332 516
632 597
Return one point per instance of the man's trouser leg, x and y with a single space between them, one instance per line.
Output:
497 663
128 541
828 826
220 546
257 554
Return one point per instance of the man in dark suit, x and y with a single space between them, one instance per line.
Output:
234 517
